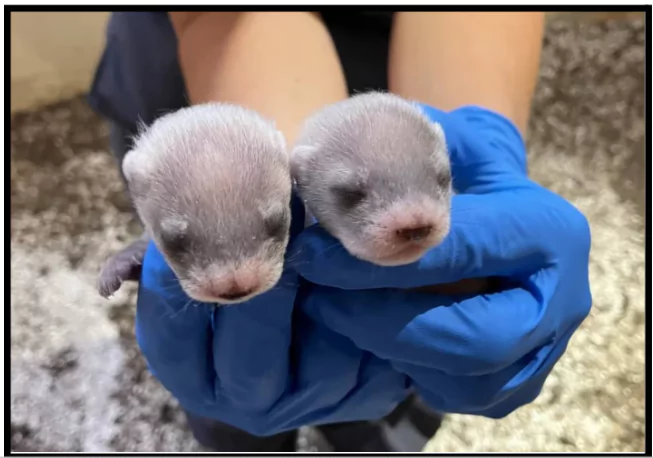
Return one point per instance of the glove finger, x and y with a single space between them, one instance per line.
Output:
251 346
472 336
489 236
332 379
494 395
174 333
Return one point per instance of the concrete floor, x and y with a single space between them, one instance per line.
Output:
78 382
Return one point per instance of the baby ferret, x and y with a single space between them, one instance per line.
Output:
375 172
211 185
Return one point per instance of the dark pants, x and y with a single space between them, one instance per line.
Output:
362 47
407 429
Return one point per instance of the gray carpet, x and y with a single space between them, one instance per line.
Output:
78 382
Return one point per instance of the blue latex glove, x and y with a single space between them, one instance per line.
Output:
483 355
301 355
261 366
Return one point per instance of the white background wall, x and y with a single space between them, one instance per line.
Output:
53 55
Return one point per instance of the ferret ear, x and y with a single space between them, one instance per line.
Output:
269 207
281 138
299 159
441 142
341 176
439 133
172 226
136 166
282 143
174 233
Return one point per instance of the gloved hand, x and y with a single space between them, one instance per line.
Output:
484 355
301 355
262 366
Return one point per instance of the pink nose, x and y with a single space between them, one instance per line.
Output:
234 286
414 234
234 293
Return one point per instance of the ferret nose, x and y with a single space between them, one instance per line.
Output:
236 292
414 234
235 284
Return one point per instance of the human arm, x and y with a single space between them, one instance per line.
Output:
281 64
451 59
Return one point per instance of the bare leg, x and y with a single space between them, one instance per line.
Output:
452 59
281 64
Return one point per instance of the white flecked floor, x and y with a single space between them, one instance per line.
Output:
78 382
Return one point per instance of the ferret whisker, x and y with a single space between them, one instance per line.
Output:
174 315
291 258
170 285
173 282
169 313
330 247
296 264
290 268
290 261
170 280
169 288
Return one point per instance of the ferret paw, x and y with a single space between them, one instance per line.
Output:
126 265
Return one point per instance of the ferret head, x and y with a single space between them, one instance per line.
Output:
212 185
375 172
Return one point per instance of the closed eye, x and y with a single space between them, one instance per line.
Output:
349 196
175 243
444 179
276 226
174 235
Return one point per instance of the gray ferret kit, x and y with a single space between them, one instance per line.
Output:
211 185
373 170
